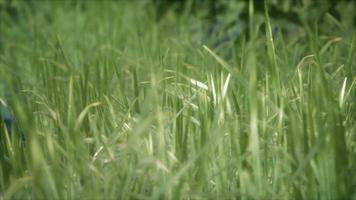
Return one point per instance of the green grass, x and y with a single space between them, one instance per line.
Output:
113 105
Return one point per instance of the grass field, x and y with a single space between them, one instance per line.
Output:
111 104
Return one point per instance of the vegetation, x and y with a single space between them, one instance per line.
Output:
110 103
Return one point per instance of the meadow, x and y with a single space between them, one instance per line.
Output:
109 103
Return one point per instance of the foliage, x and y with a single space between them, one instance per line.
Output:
112 104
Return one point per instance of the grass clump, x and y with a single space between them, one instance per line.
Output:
111 104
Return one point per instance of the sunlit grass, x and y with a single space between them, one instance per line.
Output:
110 104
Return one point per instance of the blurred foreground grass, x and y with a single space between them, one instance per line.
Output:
110 104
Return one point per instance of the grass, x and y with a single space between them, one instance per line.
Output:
110 104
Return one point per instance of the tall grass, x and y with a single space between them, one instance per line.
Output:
110 104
